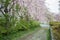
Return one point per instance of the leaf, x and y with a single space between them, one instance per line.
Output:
7 3
17 7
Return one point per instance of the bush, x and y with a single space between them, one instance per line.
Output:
54 23
2 30
21 25
56 29
26 25
34 23
2 21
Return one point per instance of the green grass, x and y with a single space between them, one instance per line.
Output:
48 35
15 35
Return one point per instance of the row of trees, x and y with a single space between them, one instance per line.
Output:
14 17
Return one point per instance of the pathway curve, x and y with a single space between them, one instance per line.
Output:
38 35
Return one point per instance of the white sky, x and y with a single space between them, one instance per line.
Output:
52 5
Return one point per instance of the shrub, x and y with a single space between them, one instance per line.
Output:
2 21
2 30
26 25
21 25
34 23
54 23
56 29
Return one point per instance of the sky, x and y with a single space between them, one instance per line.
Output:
52 6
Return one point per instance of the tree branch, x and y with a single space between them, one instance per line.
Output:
2 12
12 5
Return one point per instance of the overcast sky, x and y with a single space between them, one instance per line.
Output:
52 5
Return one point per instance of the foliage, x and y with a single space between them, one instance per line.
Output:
34 23
49 35
56 24
9 10
24 25
15 18
56 30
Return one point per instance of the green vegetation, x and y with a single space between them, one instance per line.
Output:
49 35
54 23
14 20
18 34
56 29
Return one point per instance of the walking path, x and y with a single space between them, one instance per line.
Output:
38 35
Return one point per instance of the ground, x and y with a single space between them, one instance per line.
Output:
41 34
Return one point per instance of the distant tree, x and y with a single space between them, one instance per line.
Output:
49 16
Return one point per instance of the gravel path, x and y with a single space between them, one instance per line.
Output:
39 35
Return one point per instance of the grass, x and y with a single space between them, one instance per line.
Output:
49 35
19 34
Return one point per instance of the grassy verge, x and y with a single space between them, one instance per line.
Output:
19 34
48 35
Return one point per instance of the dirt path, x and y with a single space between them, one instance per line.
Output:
38 35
